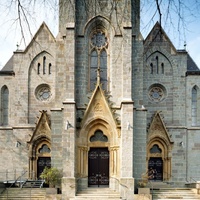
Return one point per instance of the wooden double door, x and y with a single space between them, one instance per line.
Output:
98 167
42 162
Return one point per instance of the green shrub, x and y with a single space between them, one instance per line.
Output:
52 176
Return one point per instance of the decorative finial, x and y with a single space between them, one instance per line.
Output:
185 45
17 46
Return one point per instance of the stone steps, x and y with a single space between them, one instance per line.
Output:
174 193
97 194
158 185
23 193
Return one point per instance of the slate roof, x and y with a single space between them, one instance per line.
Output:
192 68
8 68
191 65
9 65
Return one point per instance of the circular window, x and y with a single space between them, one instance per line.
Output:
157 93
99 39
43 92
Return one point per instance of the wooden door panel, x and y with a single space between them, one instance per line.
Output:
155 168
98 167
104 167
42 163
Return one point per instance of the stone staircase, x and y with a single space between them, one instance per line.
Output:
158 185
174 193
97 194
23 194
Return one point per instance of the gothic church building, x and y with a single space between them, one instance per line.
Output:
101 103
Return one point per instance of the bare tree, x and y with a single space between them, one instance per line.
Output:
23 14
172 14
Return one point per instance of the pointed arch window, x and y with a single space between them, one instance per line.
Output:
98 59
194 113
151 68
162 68
4 105
38 68
44 65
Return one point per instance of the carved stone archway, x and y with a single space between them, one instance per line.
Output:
159 146
85 143
40 147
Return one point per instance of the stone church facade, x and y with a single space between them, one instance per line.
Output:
101 103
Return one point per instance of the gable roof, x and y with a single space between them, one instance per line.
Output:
191 65
158 129
41 28
157 34
9 65
42 129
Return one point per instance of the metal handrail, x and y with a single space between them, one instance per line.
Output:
5 189
17 179
123 185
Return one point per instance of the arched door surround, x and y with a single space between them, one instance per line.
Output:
98 135
40 146
159 149
40 157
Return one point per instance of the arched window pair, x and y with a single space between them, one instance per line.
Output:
98 59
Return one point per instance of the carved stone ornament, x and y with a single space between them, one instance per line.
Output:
98 108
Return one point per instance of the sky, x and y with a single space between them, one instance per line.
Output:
180 32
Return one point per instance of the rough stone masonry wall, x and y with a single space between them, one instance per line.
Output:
172 107
14 152
192 143
139 143
19 130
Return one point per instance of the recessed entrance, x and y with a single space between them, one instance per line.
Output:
98 167
155 167
42 163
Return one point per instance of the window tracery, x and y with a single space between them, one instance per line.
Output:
157 93
98 136
98 58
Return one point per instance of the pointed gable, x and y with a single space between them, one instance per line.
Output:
98 107
42 35
158 37
158 129
42 128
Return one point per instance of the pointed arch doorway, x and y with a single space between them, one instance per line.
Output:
159 162
159 149
98 167
98 160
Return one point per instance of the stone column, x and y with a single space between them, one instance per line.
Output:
56 137
126 171
68 144
140 142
